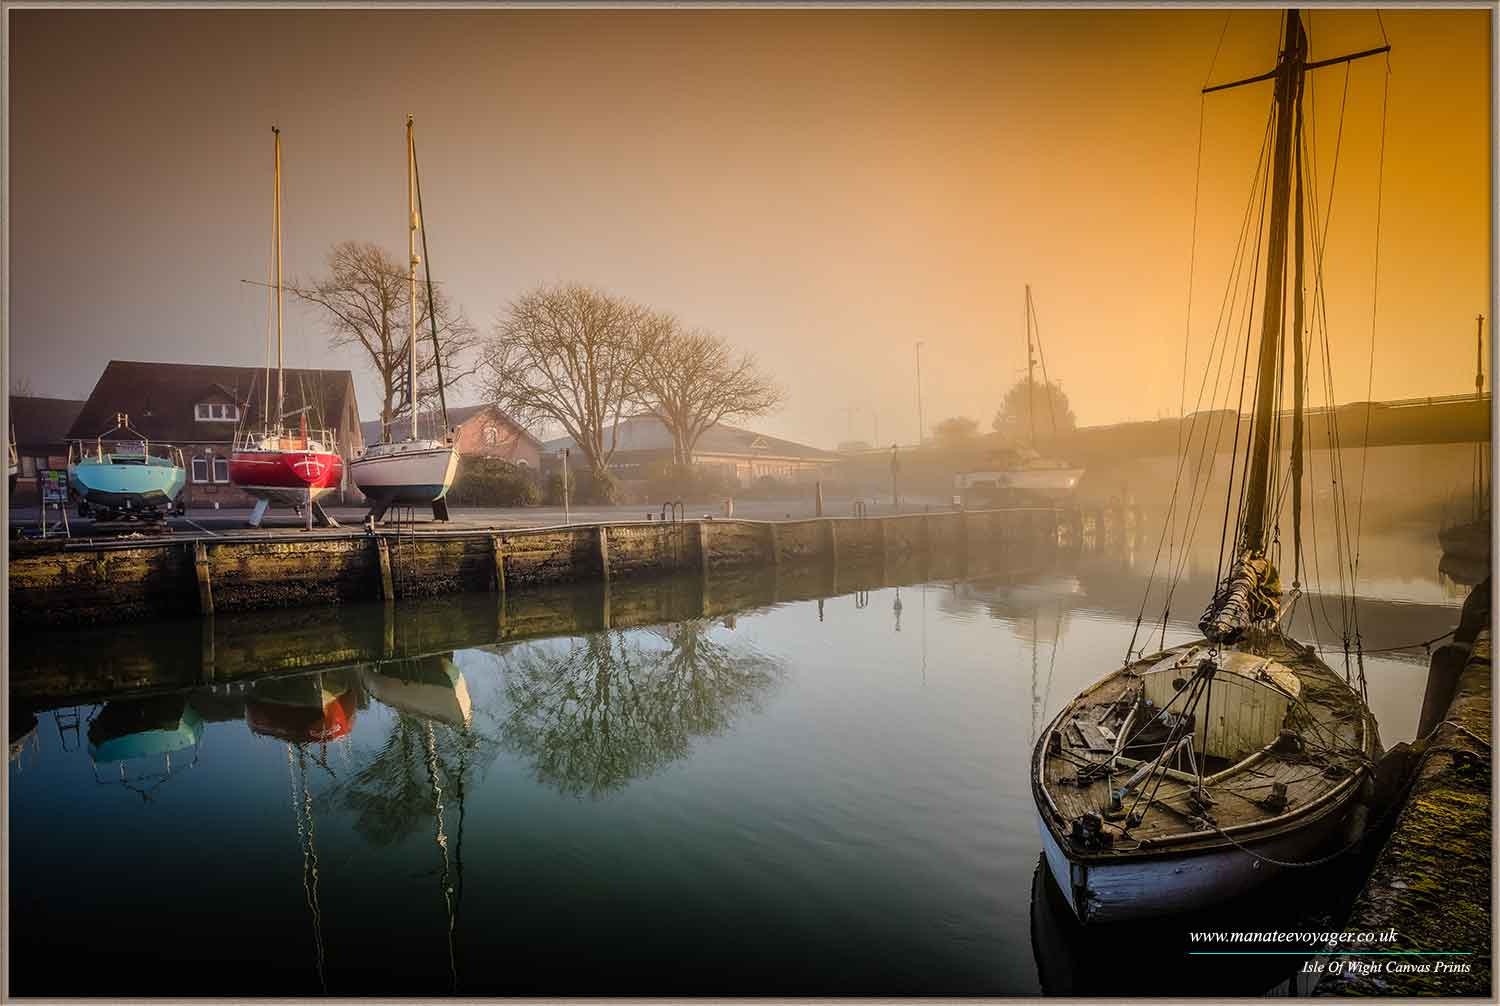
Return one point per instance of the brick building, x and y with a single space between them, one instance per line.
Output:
205 409
482 431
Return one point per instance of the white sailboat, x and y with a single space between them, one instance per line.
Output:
1022 473
416 471
1192 775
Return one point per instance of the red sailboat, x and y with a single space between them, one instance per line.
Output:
279 465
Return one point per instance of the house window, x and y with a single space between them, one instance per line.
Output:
521 463
200 469
217 412
491 436
28 468
221 469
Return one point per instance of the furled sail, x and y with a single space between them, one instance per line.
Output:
1251 593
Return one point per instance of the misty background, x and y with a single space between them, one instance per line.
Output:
822 188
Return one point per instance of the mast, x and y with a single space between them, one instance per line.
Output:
1299 364
276 226
411 247
1482 453
1030 367
437 357
1289 74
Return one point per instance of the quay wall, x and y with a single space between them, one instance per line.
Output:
1431 881
59 584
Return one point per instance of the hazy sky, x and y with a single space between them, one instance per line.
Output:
823 188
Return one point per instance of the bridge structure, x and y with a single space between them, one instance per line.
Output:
1453 419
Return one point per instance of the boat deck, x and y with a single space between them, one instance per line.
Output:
1079 767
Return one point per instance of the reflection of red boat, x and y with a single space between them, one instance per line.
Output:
301 710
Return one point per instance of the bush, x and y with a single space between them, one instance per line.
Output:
583 487
485 481
691 484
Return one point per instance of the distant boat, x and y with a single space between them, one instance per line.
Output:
122 475
279 465
1470 542
1021 474
1190 776
1018 475
414 471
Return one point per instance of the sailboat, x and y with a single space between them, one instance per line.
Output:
1191 775
1470 542
124 475
414 471
1021 474
281 465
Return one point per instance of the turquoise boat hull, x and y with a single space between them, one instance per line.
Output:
127 485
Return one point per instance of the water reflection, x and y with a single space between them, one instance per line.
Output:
599 711
139 737
753 761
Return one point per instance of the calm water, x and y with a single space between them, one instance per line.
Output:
772 785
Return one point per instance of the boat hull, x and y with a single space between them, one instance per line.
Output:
292 477
127 487
1150 887
410 475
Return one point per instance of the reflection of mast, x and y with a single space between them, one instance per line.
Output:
302 807
442 843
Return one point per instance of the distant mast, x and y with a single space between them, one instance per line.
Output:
276 225
1030 368
411 249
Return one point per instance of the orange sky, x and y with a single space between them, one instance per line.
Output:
824 188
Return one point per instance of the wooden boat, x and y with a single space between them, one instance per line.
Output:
127 477
281 465
1192 775
1128 833
414 471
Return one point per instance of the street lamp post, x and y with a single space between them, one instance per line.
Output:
921 423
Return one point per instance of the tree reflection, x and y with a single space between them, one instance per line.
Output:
391 792
610 707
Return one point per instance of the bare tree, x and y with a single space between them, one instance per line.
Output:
367 297
694 380
21 386
571 355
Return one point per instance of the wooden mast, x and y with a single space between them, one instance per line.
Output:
276 225
1288 94
411 248
1299 364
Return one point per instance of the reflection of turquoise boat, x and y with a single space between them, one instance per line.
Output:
125 477
129 731
142 729
430 688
